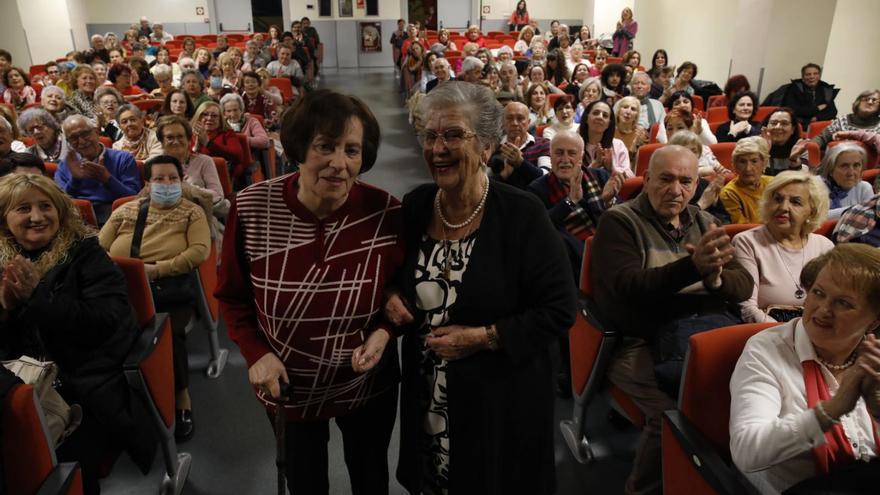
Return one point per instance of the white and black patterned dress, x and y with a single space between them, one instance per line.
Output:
436 296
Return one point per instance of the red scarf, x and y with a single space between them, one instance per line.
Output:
836 451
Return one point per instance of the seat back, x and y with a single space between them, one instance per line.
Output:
539 131
698 103
724 153
631 188
717 101
28 452
680 475
732 229
827 228
815 128
643 158
551 99
655 128
716 114
870 175
139 293
121 201
86 211
710 361
149 105
51 168
284 86
107 142
763 112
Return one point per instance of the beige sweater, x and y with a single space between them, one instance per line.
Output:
177 239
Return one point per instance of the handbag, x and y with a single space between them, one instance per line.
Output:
782 313
61 418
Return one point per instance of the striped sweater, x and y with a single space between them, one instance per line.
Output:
310 290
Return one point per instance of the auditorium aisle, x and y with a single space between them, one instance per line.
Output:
233 449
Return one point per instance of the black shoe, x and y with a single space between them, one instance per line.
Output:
184 428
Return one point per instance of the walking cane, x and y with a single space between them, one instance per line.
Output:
280 440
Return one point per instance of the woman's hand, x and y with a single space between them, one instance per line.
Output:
20 278
457 342
698 123
641 136
798 149
366 356
152 271
396 311
710 194
266 373
201 134
612 187
740 127
847 395
869 362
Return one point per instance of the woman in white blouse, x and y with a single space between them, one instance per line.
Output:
803 393
793 206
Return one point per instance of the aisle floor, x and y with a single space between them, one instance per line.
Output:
234 450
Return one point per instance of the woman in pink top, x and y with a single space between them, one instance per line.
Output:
175 134
601 148
794 205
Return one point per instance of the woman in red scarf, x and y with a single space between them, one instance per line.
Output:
804 395
215 138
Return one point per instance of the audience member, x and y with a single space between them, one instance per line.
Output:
679 121
108 102
740 111
215 138
628 129
83 85
841 169
678 264
865 116
602 149
19 92
540 113
782 132
521 157
794 205
684 76
590 91
519 18
624 33
741 195
242 123
803 394
563 111
136 138
91 171
41 126
613 83
22 163
199 171
159 35
811 98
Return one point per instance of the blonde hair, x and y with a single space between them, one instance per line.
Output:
852 265
687 139
71 228
818 199
629 100
210 104
523 30
749 145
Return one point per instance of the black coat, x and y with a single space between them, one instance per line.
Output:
500 403
723 132
804 105
79 316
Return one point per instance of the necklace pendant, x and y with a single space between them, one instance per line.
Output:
799 293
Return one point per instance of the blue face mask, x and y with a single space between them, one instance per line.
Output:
216 82
165 195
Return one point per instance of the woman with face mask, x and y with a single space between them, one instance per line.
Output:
175 239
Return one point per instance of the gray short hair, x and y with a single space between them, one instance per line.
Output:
36 115
592 81
567 134
471 63
162 70
442 61
128 107
192 72
829 162
108 90
232 97
476 102
51 89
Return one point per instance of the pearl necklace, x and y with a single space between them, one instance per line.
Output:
471 218
838 367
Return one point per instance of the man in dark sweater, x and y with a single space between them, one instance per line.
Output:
661 271
520 157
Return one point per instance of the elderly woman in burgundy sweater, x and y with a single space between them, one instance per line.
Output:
305 260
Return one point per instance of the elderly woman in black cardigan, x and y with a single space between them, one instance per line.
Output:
486 286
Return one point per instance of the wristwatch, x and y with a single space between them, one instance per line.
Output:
492 335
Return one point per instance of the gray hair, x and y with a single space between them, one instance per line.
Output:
250 43
471 63
442 61
567 134
476 102
505 49
641 74
96 37
5 124
162 70
829 162
108 90
128 107
231 97
51 89
192 72
35 115
78 117
592 81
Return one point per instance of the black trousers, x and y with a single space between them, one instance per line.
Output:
365 437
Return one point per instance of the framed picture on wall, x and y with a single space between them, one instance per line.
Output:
371 37
345 8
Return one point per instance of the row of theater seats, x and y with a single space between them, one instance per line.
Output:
695 438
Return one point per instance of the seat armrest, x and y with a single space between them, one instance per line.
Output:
146 342
590 311
60 479
725 479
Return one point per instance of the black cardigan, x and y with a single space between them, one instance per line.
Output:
500 403
79 316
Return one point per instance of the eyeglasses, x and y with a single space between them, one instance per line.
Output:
871 99
207 116
451 138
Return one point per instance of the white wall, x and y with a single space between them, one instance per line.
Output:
48 35
12 37
704 28
853 29
164 11
78 15
538 9
388 9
